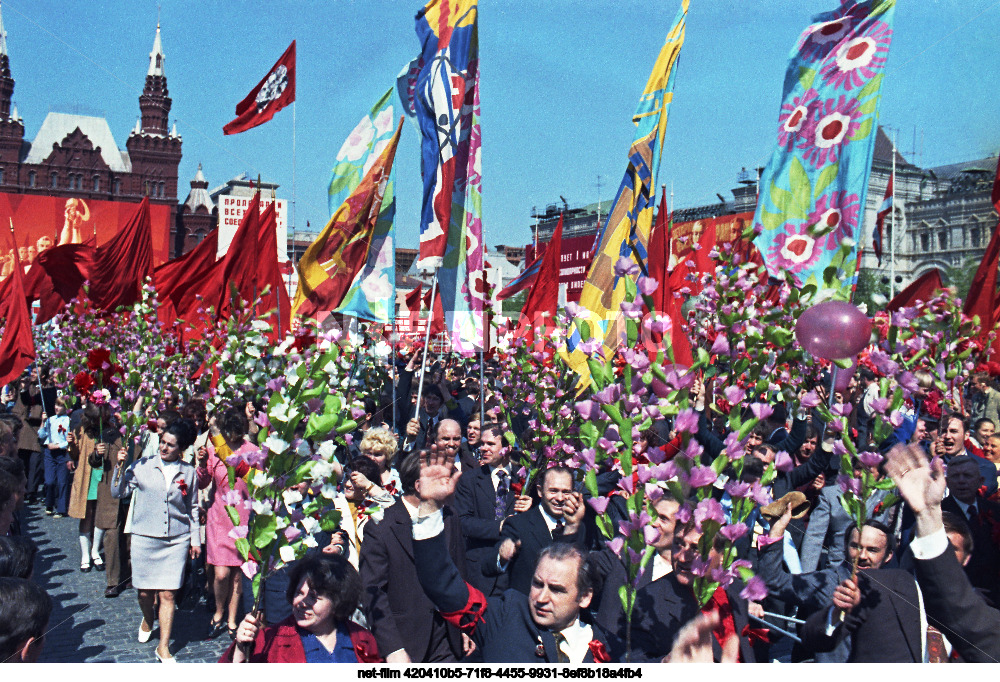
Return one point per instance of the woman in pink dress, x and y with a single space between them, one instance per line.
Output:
232 426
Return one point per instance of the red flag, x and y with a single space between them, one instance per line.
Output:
883 211
274 92
269 272
435 310
674 300
982 299
57 276
658 264
543 297
921 289
239 265
123 263
182 278
413 305
17 347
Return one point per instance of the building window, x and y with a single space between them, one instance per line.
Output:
1 176
97 183
116 186
925 242
54 180
32 178
943 239
161 189
976 234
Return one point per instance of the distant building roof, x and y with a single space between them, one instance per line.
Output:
883 149
199 193
57 126
949 171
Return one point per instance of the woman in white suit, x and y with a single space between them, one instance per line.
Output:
165 526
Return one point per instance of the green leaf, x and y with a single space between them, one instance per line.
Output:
263 530
806 77
234 515
801 188
771 221
590 481
871 87
863 131
826 176
868 108
243 547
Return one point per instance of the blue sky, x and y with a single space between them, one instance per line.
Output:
560 81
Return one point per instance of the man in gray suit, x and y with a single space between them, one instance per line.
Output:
827 524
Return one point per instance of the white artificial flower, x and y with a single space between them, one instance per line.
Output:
277 446
322 470
328 491
260 325
376 515
326 449
230 380
281 522
261 508
260 480
310 541
291 497
310 525
287 553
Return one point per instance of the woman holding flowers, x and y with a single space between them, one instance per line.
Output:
165 526
228 435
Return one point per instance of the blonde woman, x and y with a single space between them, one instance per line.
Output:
380 445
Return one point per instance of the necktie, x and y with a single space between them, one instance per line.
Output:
560 524
973 515
561 646
502 489
935 646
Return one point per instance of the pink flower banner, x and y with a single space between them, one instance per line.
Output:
812 193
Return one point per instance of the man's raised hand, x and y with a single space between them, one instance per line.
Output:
438 478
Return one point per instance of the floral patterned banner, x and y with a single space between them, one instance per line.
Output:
372 295
812 193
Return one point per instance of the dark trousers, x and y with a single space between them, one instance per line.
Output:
33 469
57 480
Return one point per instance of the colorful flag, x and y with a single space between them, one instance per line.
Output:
274 92
446 103
522 281
626 231
332 263
883 211
372 295
812 192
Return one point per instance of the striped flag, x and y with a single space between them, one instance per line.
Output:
883 211
522 281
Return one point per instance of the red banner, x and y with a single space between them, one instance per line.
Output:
42 222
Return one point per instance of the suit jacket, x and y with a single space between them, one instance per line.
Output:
828 524
812 590
501 626
610 574
664 606
971 626
885 626
399 614
983 568
160 510
475 504
529 527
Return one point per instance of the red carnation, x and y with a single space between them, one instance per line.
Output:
599 651
97 357
183 486
83 382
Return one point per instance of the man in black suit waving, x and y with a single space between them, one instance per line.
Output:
541 627
526 534
484 500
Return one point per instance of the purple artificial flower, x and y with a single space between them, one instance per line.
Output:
760 495
783 462
610 394
292 533
650 534
700 567
693 450
616 545
598 504
734 531
810 400
835 426
626 483
722 576
639 361
709 509
734 395
908 382
686 421
848 484
239 532
839 449
841 409
588 409
870 460
643 473
701 476
647 286
761 410
653 493
720 346
589 457
896 419
656 456
880 405
683 514
883 363
626 266
232 498
756 589
665 471
737 489
249 568
735 448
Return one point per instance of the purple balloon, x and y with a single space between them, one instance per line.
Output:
843 378
833 330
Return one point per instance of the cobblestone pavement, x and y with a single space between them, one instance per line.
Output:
87 627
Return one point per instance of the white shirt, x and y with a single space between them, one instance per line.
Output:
550 521
578 636
170 470
661 567
495 476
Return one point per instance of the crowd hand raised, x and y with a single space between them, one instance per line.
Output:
509 549
413 427
694 642
921 484
213 427
781 523
359 480
438 478
573 512
522 503
846 597
337 543
122 455
755 609
202 454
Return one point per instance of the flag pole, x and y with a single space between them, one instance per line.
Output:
892 225
427 341
293 208
393 337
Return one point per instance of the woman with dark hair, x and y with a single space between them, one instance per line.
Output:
164 528
324 590
93 450
228 438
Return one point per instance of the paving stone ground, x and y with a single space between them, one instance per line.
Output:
87 627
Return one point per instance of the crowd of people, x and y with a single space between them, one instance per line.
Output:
443 554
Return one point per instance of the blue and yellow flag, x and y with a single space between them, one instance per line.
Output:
626 232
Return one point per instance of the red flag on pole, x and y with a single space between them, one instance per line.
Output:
435 310
543 297
883 211
17 346
57 276
269 272
183 277
658 263
413 305
123 263
921 289
982 299
274 92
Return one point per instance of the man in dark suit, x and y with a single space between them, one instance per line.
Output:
665 605
542 627
405 623
484 500
951 602
951 444
982 516
526 534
